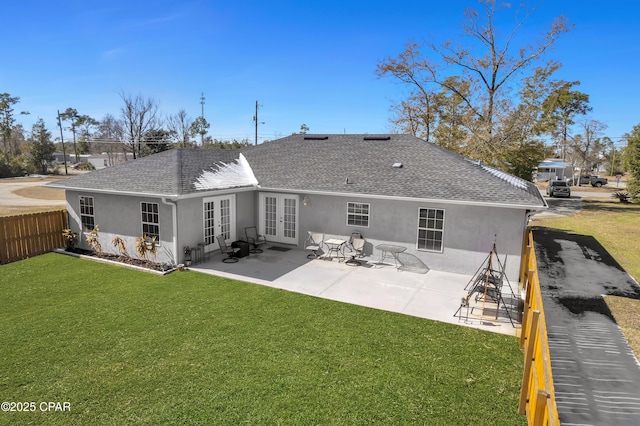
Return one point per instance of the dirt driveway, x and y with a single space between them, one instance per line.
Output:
26 195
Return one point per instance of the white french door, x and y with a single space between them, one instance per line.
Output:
219 219
279 217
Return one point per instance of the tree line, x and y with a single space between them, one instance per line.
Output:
138 130
491 96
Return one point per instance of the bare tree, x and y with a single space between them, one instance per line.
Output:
586 146
180 127
138 116
415 115
108 139
486 67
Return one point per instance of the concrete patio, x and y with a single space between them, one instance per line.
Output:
435 295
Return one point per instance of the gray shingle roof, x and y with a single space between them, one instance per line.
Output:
310 163
169 173
322 163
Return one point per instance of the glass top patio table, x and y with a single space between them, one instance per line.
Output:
335 246
394 250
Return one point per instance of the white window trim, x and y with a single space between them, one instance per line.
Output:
444 217
149 223
93 205
368 215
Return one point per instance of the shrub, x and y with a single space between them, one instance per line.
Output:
70 237
624 197
12 166
92 240
146 245
119 243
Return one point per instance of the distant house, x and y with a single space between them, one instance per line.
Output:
553 169
391 188
59 157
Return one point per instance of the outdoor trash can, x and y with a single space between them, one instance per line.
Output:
243 246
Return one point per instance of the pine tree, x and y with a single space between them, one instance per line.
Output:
632 158
42 148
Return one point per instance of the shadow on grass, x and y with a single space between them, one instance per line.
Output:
612 206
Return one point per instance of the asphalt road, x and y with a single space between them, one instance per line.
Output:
568 206
596 375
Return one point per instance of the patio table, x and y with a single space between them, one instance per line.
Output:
393 250
336 246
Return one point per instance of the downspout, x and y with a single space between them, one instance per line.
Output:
527 218
174 217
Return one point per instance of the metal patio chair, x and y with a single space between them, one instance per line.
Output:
314 243
230 252
357 247
254 239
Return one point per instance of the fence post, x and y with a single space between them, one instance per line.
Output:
541 407
527 305
528 360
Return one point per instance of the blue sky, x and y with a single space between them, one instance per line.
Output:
305 62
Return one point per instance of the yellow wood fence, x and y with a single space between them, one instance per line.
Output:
537 397
32 234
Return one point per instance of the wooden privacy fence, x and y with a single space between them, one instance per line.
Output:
537 397
29 235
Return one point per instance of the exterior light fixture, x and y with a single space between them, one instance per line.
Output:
305 201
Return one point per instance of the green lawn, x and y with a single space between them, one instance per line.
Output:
129 347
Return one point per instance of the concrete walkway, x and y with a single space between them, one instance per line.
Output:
435 295
596 375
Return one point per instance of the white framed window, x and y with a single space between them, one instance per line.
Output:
431 229
150 220
87 217
358 214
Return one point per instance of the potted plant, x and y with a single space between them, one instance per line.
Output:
187 255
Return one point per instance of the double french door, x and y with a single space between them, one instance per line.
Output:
219 219
279 217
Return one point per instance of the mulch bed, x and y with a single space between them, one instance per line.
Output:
142 263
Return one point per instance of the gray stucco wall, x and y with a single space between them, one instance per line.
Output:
468 230
191 219
119 215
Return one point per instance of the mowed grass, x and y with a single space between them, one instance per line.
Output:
617 227
130 347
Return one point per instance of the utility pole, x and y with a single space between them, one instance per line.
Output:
255 118
202 116
64 153
73 130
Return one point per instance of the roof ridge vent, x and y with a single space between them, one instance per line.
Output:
377 138
315 137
